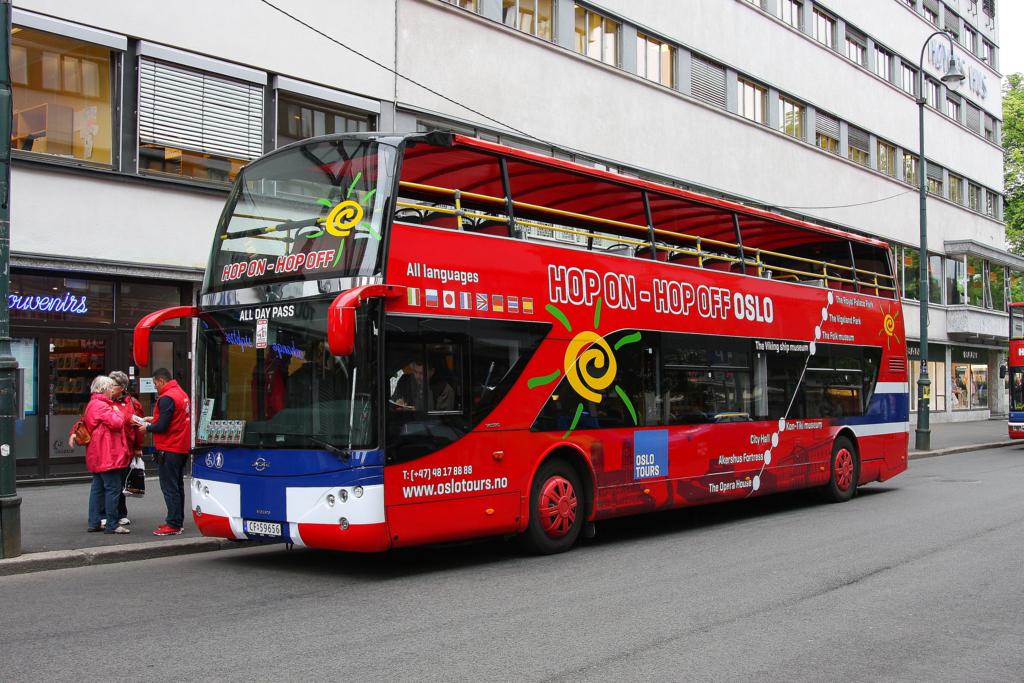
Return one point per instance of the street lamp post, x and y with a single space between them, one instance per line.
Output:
954 74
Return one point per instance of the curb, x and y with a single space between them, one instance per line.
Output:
85 557
919 455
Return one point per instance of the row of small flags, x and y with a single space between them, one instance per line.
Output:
498 303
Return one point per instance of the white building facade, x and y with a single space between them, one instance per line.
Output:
131 119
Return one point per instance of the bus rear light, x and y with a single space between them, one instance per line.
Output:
498 455
358 492
343 523
489 511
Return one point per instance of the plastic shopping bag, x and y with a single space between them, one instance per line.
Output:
135 482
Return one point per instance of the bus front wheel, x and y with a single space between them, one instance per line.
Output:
557 509
844 471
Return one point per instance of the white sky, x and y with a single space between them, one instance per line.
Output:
1011 36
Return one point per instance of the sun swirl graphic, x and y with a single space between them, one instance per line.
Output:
345 216
589 365
889 325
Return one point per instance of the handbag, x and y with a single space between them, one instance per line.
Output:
81 432
135 480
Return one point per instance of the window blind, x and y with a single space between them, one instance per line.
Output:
707 81
859 138
827 125
934 171
198 111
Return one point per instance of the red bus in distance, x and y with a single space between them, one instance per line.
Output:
409 339
1015 366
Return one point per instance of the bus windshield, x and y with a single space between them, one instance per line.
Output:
308 212
267 379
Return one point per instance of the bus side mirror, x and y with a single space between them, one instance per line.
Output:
341 316
145 326
1002 371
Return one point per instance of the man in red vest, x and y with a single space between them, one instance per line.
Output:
171 427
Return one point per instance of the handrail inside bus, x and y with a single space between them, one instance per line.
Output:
752 260
146 325
341 316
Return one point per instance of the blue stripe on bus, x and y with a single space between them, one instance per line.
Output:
263 492
1016 416
882 408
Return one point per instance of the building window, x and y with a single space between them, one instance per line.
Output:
752 101
997 286
931 91
654 60
953 108
934 180
597 36
990 203
973 197
856 47
464 4
883 63
529 16
990 128
911 263
859 146
791 118
909 168
827 143
931 16
969 39
986 51
298 119
976 281
198 125
956 189
792 12
61 96
887 158
934 279
955 281
824 28
908 78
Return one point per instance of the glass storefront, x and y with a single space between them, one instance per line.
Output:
936 373
969 378
65 331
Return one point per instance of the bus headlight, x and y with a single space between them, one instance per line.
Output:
330 500
199 511
343 494
199 485
343 523
358 492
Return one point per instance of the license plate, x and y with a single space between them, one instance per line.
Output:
263 528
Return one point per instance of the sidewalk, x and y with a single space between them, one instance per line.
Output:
53 517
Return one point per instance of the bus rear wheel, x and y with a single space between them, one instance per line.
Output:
844 471
557 509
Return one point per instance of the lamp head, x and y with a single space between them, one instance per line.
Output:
954 74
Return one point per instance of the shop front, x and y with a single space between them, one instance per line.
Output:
936 373
964 384
68 328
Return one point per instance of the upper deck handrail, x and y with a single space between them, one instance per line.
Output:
829 272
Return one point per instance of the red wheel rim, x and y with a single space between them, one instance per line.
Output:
844 469
556 506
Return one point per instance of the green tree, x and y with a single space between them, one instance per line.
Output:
1013 166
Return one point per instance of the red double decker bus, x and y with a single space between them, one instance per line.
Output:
423 338
1015 423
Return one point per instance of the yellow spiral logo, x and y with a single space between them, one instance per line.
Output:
343 217
889 324
580 366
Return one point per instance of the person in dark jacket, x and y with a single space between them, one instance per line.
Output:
171 427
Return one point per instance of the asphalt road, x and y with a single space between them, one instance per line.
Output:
921 578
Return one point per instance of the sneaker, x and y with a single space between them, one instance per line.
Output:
119 530
93 529
167 530
103 523
124 521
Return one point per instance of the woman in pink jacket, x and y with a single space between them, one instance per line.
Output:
107 453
